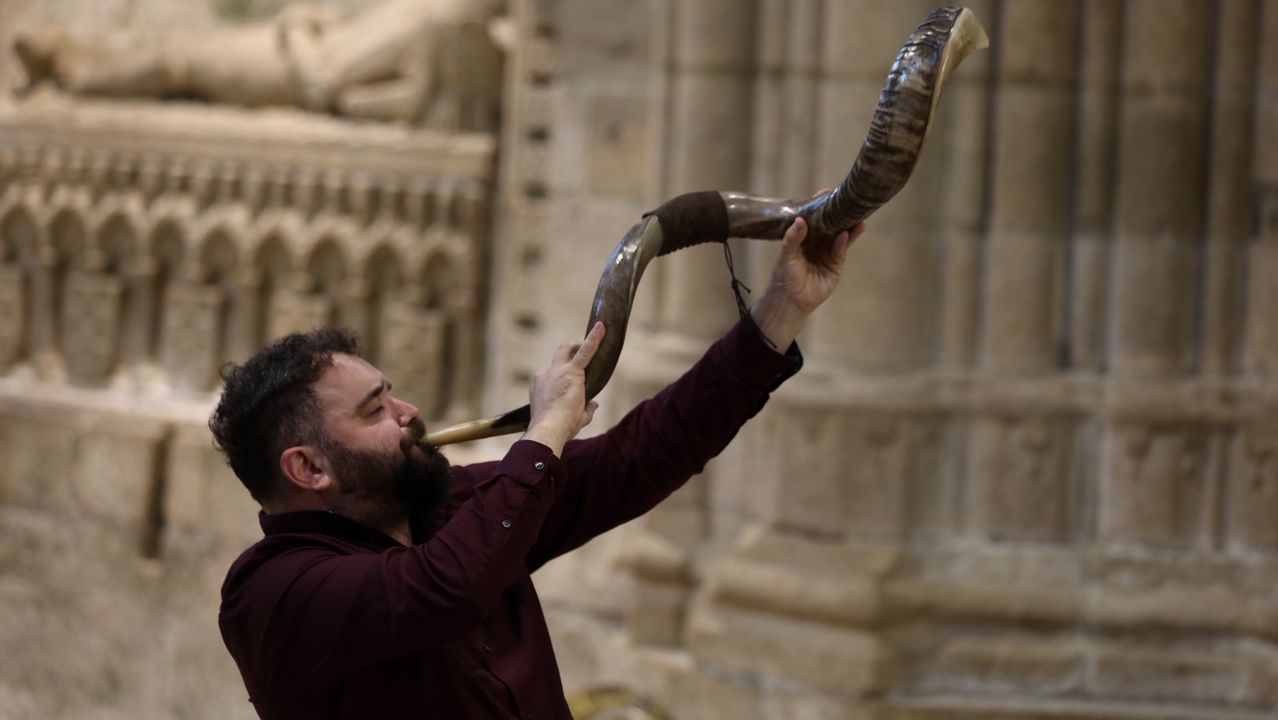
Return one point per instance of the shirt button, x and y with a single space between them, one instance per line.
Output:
488 649
539 465
505 523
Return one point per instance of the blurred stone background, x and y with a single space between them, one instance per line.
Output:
1031 467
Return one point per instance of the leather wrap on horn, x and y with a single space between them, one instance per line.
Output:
883 165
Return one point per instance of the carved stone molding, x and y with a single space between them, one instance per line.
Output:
155 242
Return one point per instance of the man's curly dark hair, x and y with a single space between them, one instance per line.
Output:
268 405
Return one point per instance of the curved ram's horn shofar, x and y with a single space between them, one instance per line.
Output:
886 159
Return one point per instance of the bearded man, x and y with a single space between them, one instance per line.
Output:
389 584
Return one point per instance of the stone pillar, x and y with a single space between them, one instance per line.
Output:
1160 199
1229 202
139 315
1266 97
785 111
707 148
191 353
964 133
412 354
1260 352
18 288
354 299
1100 34
91 325
463 361
15 297
1260 349
1030 195
882 317
243 315
1252 495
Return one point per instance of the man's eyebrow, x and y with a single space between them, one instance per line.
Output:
373 394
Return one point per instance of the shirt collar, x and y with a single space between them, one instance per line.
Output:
320 522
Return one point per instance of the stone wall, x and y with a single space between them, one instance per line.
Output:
1030 469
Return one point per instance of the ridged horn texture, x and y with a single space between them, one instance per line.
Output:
884 164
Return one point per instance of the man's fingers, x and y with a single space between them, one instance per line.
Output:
840 251
587 349
857 231
794 236
589 413
564 353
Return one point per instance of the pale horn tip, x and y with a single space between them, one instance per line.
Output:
969 29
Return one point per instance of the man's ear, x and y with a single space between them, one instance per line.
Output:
306 468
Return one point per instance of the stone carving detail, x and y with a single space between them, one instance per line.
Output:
192 322
152 264
1253 489
413 339
1016 481
12 313
429 62
90 325
1154 486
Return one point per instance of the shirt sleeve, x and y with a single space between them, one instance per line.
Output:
665 440
311 614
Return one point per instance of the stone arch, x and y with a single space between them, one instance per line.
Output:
167 244
326 265
383 275
68 239
113 244
18 233
217 255
218 260
103 307
277 269
438 278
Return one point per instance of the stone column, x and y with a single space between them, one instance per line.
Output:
191 348
25 303
1229 208
1100 35
139 316
1160 199
15 299
707 148
882 316
244 314
464 362
1260 350
964 132
42 315
1030 194
785 110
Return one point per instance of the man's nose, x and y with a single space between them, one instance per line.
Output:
407 412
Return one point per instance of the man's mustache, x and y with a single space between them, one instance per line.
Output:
417 431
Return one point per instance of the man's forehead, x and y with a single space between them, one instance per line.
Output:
349 378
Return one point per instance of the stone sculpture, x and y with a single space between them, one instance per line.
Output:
431 62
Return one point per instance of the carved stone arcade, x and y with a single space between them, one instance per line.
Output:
145 249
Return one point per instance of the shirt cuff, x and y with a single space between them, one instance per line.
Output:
534 466
745 353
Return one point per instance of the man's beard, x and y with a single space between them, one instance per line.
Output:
381 487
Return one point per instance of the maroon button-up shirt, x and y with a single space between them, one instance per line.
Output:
327 618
